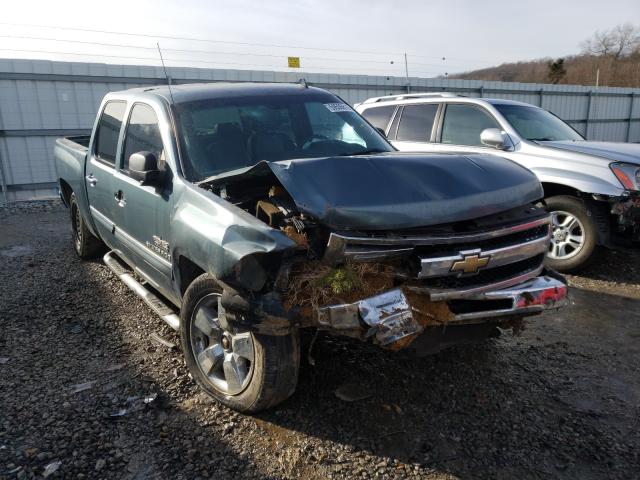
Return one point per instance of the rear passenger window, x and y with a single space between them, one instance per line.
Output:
416 122
379 116
108 131
463 125
143 134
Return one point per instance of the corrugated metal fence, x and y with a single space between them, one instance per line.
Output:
41 100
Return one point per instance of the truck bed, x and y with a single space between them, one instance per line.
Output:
77 142
70 155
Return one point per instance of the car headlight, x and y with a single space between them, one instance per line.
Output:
628 174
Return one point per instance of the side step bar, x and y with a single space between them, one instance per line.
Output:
157 305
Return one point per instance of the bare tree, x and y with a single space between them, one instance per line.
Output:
618 42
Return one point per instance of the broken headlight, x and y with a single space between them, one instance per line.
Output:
628 174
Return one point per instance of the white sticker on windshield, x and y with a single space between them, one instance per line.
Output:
337 107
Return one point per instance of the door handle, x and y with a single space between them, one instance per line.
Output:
119 197
91 180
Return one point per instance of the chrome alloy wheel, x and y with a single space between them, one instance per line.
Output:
224 358
567 236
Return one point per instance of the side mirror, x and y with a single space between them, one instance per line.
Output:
496 138
381 132
143 166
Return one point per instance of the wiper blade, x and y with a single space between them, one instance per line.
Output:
544 139
368 152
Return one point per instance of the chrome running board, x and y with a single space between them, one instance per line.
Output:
161 309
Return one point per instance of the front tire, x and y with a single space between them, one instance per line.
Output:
245 371
85 243
574 239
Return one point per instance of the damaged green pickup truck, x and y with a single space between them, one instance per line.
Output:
243 213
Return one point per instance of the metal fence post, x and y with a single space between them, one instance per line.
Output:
482 91
3 178
586 128
633 98
541 97
3 181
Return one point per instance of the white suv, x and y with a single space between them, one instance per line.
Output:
591 188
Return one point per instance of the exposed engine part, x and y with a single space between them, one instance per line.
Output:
279 212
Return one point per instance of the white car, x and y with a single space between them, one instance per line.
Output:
591 188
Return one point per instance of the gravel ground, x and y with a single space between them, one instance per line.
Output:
85 384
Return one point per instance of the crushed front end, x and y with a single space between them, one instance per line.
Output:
390 286
393 287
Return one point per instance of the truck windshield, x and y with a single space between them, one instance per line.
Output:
224 134
536 124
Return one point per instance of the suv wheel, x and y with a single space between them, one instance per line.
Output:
574 236
245 371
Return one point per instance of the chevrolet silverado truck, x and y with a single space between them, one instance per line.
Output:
243 213
592 189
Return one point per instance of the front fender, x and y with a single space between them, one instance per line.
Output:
216 235
581 181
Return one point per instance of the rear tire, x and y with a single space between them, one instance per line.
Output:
574 239
85 243
261 373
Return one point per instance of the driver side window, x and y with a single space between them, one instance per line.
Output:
463 125
143 134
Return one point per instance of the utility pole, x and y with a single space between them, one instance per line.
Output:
406 72
597 77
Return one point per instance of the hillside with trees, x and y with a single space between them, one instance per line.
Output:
608 58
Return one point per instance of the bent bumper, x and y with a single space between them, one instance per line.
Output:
395 317
627 214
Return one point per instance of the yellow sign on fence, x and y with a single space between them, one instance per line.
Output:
294 62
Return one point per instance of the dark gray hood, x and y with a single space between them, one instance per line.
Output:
611 151
396 190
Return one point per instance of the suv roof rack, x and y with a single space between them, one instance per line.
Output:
409 96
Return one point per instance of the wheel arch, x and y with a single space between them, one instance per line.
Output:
186 272
552 189
65 192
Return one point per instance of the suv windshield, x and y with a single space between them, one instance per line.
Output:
223 134
536 124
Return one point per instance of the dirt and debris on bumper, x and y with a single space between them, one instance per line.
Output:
396 317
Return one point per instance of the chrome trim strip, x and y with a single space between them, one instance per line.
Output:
522 297
336 239
390 314
364 255
442 266
448 294
155 303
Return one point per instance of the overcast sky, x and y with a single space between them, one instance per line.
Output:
343 36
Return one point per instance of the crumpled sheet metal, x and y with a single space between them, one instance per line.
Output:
398 190
388 315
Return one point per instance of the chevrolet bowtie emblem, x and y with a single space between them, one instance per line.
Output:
470 263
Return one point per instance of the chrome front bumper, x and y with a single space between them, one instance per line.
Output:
391 317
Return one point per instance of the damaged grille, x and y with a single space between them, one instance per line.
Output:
450 259
487 277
